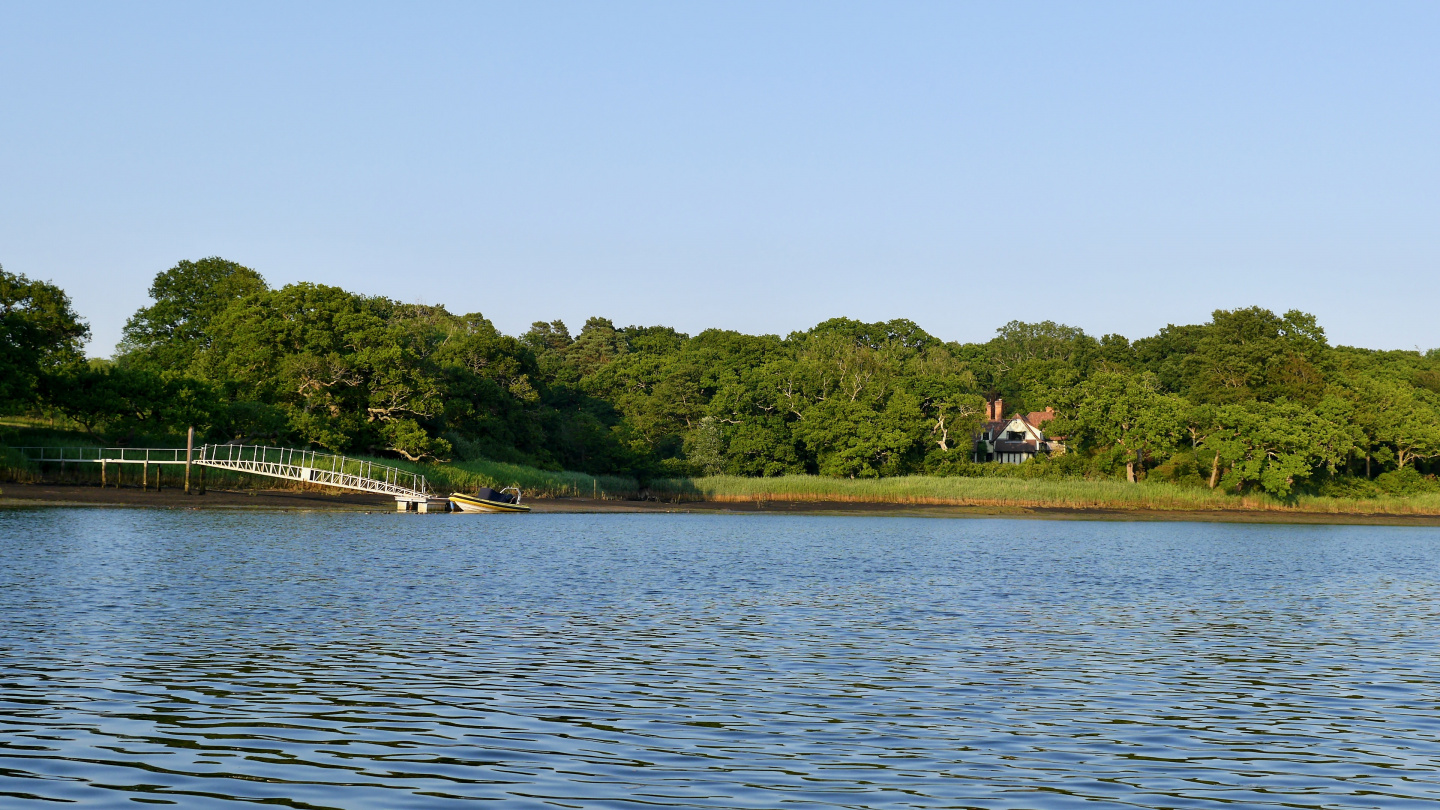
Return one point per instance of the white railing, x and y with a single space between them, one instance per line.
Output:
111 455
276 462
314 467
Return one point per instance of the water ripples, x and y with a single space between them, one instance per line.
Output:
713 661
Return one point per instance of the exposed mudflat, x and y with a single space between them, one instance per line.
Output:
62 495
13 495
940 511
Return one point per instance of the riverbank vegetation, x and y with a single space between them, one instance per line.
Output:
1033 491
1247 407
1030 493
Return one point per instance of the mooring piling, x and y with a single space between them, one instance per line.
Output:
189 452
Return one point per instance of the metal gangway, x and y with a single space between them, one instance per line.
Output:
410 489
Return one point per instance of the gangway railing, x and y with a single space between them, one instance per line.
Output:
315 467
111 455
309 466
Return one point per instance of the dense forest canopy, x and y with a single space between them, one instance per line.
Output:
1249 400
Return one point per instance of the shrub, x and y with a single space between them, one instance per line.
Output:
1406 481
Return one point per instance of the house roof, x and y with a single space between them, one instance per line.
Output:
1026 425
1031 422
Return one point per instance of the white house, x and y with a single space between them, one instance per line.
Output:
1014 440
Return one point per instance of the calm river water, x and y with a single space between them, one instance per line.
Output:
389 661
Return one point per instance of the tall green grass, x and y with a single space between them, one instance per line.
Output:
462 476
1015 492
15 467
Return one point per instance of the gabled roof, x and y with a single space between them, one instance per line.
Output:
1025 425
1029 423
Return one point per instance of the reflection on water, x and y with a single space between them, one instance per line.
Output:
319 660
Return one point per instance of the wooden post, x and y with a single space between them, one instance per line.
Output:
102 473
189 451
145 475
202 480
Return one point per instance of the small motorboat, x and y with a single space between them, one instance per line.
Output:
486 499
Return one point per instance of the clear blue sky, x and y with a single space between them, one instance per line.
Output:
759 167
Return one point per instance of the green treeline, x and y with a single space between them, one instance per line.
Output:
1248 401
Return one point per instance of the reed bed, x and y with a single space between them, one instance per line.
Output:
15 467
1014 492
462 476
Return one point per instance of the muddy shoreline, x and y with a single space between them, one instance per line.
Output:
62 495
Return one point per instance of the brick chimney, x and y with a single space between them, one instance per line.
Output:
999 406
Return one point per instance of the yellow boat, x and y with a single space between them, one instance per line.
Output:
486 499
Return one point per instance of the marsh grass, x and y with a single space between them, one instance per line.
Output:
464 476
1016 492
